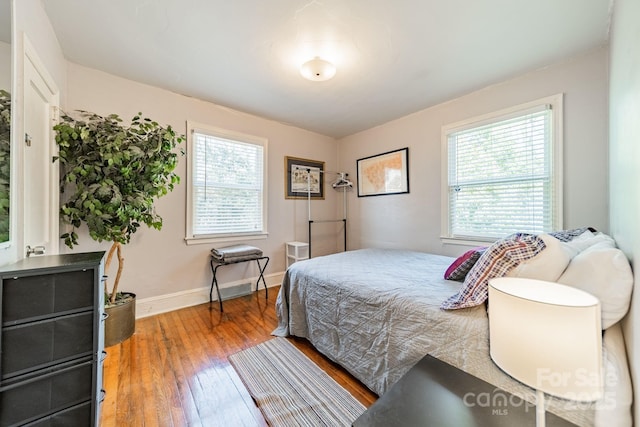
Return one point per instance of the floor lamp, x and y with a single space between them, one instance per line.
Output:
547 336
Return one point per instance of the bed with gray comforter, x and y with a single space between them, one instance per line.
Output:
376 312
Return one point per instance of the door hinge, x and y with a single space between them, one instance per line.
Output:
55 115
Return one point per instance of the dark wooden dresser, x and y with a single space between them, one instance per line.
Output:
52 340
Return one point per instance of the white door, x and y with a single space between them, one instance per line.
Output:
40 173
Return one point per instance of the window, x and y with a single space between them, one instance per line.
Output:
226 192
503 173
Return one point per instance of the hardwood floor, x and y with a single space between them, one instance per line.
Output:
174 370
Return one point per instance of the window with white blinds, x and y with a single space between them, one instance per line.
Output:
227 196
503 175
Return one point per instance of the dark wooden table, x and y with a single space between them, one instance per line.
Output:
436 394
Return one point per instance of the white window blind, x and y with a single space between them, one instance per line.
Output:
501 176
227 186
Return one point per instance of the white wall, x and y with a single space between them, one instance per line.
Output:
413 220
625 158
160 263
32 21
5 67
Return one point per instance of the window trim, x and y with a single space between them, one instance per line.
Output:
190 238
557 133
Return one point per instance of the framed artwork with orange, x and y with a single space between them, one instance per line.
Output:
384 174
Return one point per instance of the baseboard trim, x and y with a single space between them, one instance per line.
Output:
169 302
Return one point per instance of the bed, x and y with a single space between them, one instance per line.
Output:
377 312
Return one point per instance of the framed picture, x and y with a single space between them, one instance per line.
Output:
301 177
386 173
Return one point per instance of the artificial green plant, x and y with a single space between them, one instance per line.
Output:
110 176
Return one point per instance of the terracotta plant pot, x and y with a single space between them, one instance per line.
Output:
121 323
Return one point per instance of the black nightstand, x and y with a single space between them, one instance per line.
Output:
436 394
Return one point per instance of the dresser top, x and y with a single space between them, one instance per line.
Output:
75 260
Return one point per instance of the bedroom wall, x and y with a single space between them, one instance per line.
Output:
33 22
5 66
160 268
624 162
413 220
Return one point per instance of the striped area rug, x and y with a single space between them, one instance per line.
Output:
290 389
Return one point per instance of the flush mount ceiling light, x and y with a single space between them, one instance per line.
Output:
318 70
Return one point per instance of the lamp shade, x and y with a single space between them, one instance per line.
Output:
547 336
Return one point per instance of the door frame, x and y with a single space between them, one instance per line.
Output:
30 55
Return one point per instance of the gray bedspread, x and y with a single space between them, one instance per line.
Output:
376 312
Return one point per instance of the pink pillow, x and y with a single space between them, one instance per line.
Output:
460 267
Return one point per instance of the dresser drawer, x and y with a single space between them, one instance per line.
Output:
39 344
77 416
47 394
51 340
27 297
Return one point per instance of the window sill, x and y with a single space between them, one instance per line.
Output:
466 241
207 240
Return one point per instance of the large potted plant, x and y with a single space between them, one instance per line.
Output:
110 176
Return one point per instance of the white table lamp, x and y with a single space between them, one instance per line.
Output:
547 336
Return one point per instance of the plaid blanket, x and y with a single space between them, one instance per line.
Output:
496 261
569 235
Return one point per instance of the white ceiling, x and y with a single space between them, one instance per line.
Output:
393 57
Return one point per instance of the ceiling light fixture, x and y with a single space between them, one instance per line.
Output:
318 70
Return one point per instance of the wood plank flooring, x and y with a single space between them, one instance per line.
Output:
174 370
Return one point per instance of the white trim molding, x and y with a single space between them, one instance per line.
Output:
169 302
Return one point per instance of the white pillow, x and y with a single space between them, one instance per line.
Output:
548 264
588 239
614 408
605 273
